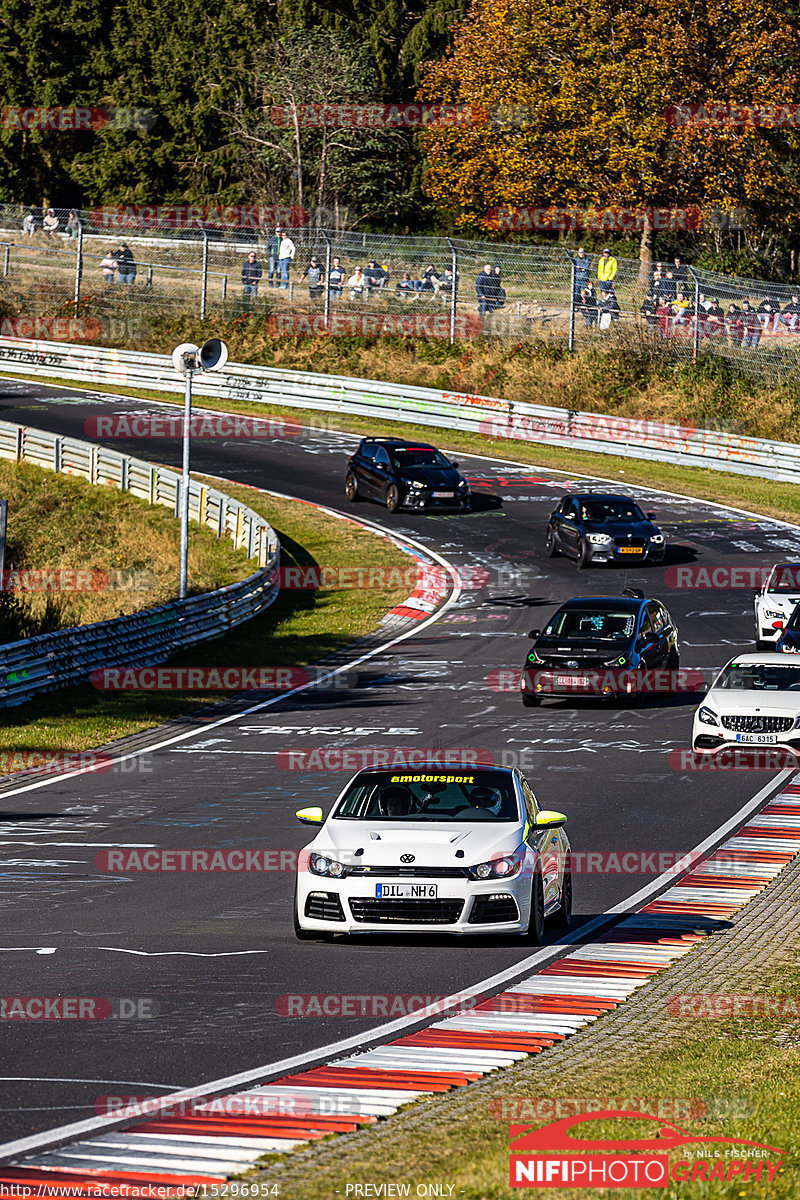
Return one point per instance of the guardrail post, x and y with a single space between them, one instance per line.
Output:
123 473
454 296
57 455
78 272
150 275
224 287
327 310
204 284
696 334
6 259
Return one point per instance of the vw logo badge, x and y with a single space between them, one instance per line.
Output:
573 664
406 858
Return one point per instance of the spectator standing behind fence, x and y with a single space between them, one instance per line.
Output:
667 290
752 327
73 226
356 284
588 304
126 264
251 273
486 288
501 291
583 269
338 277
273 250
648 310
50 223
607 267
29 224
286 254
714 319
316 278
109 267
679 272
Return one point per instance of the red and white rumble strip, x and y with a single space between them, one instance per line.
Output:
215 1138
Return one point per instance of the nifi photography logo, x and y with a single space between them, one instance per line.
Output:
548 1157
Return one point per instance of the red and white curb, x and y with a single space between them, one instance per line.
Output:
224 1137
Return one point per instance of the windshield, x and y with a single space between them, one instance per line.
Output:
611 510
417 456
761 677
786 579
592 625
483 796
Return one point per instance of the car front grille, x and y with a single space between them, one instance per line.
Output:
491 910
409 872
639 543
324 906
406 912
745 724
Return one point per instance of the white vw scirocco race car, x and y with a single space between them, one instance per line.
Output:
426 849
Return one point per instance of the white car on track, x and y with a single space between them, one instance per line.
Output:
776 602
427 849
754 701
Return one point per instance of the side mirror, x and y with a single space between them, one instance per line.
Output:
651 516
309 816
549 819
535 633
454 465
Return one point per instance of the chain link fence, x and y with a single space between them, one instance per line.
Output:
82 284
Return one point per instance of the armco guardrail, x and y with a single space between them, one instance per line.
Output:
53 660
488 415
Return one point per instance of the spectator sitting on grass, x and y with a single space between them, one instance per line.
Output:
734 326
790 317
608 308
406 288
666 288
375 277
50 223
680 311
429 280
315 276
29 224
768 311
714 319
338 277
446 283
356 283
752 327
648 310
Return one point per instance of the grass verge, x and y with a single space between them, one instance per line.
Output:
750 1085
301 627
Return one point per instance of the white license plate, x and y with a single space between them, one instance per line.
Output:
443 495
406 891
769 738
571 681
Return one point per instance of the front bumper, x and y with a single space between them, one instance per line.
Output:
709 739
612 553
586 681
351 906
424 501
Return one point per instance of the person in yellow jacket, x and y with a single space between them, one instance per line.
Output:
606 267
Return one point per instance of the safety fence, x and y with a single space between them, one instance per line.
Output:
490 416
53 660
430 287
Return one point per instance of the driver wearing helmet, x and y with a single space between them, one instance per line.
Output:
394 801
486 798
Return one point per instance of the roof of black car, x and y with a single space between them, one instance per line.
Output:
392 441
602 496
617 602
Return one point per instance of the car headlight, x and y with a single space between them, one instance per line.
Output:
533 657
320 865
657 539
599 539
463 485
797 721
775 615
707 716
617 662
413 484
504 867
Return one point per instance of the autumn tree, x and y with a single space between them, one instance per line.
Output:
593 80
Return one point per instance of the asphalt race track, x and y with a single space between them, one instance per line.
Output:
211 954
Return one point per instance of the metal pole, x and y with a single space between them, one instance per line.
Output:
3 526
6 260
696 338
224 286
184 556
78 272
204 287
327 311
454 295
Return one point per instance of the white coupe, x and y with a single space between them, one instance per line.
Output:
754 701
776 602
426 849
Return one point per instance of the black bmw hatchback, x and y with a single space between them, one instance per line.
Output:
599 528
405 474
